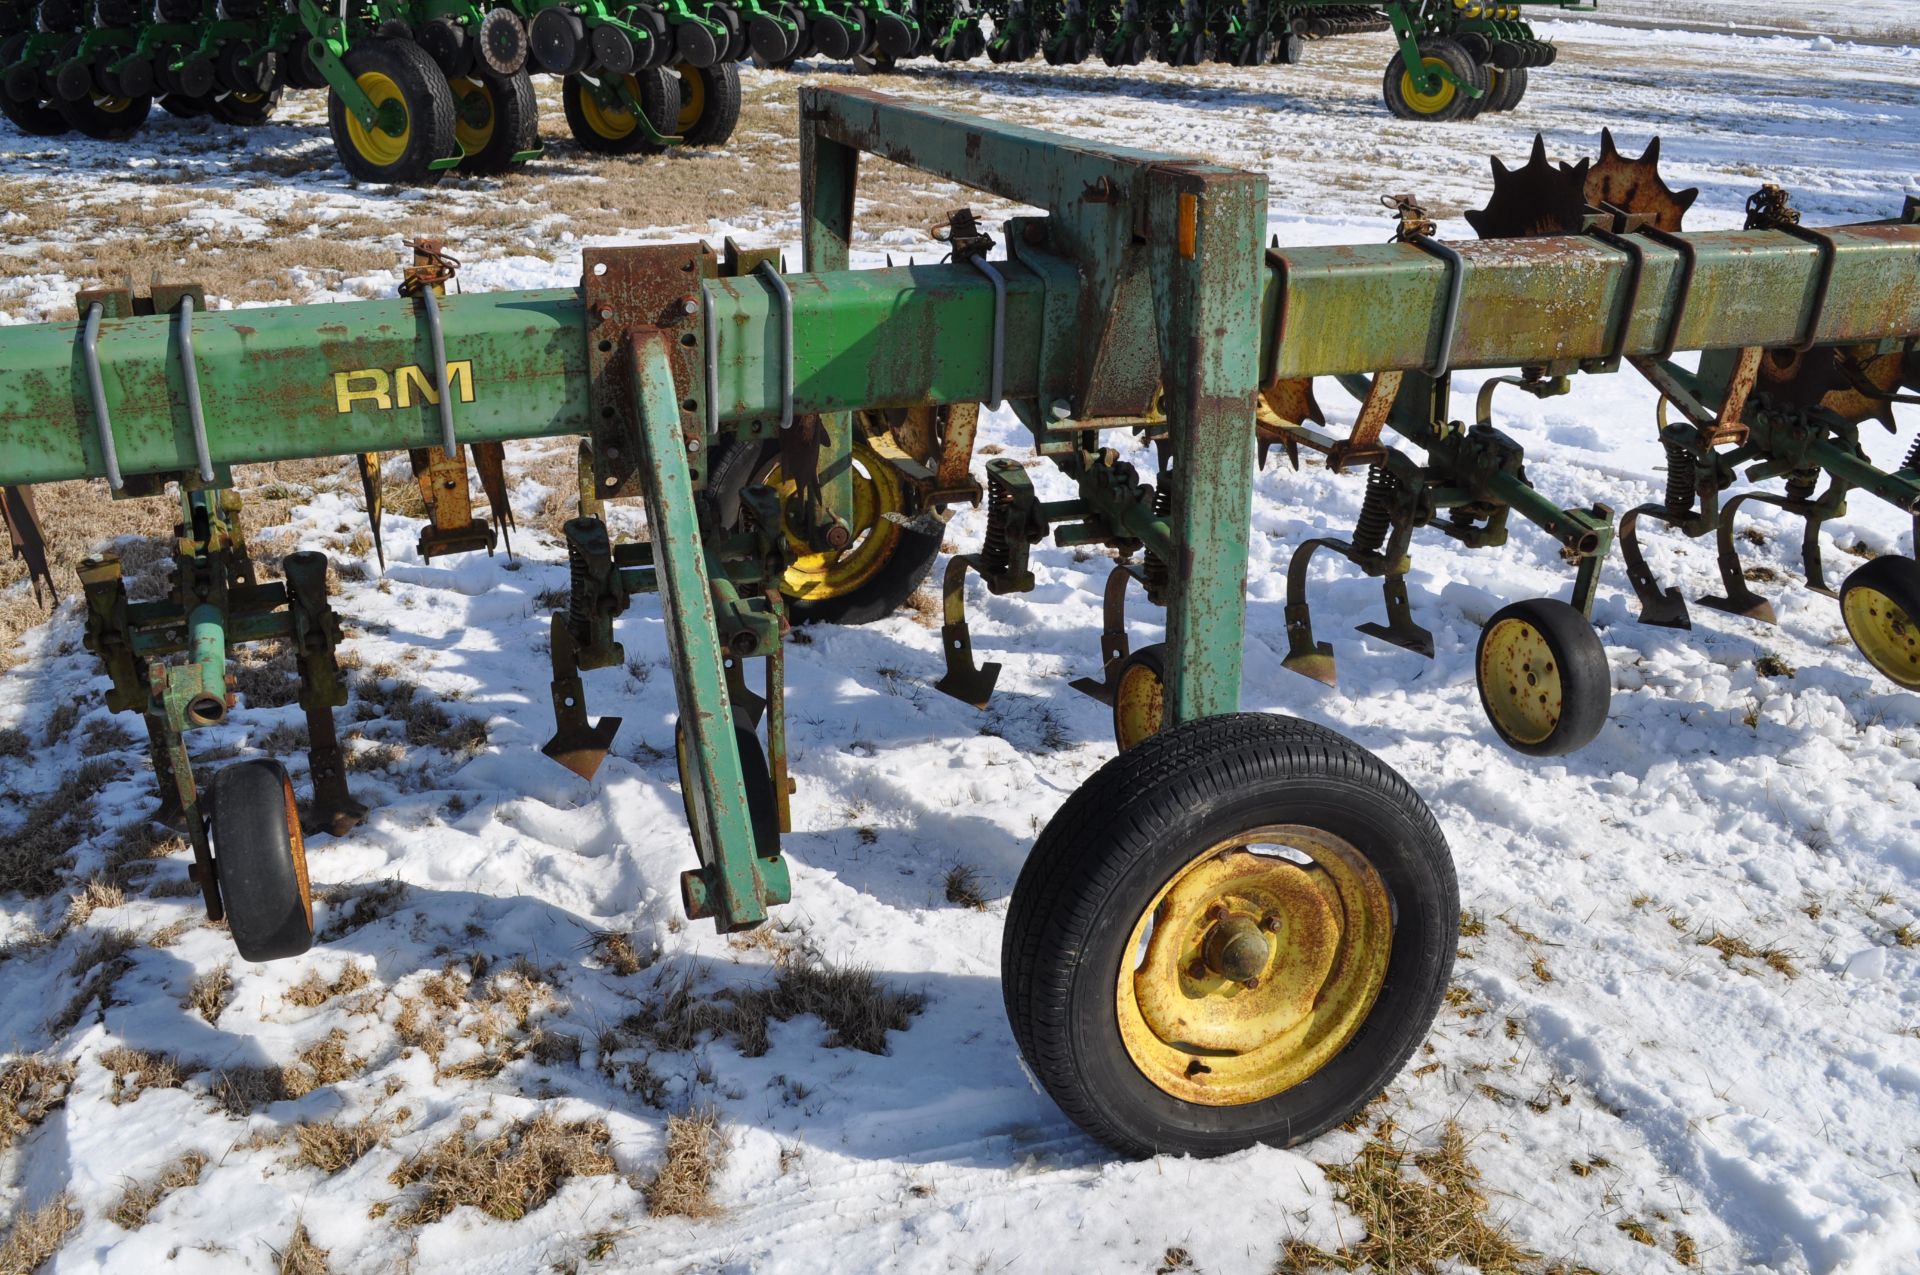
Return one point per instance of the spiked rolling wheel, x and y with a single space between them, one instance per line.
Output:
607 125
1881 605
1636 186
1234 933
1140 695
1538 199
414 115
496 118
707 102
1543 677
260 861
1443 100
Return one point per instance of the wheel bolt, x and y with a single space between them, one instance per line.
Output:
1197 970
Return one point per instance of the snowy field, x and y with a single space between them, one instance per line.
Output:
1685 1032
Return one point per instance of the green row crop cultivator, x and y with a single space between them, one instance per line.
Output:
1238 928
418 87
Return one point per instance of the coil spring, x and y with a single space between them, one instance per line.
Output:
1800 486
1370 531
994 551
1156 569
1913 456
1681 475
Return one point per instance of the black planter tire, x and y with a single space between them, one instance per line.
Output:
260 861
395 72
35 119
607 131
244 109
1543 676
1446 102
1880 603
106 119
706 102
497 118
1508 88
1293 800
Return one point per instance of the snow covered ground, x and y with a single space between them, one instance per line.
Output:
1634 1092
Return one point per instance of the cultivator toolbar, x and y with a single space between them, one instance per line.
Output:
1239 928
419 87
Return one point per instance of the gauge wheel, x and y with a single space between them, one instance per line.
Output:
35 118
612 128
1446 101
260 861
415 124
889 556
1508 87
240 108
495 118
1543 677
106 118
707 102
1234 933
1140 695
1881 605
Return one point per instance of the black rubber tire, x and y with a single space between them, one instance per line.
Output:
260 861
1116 842
763 810
1897 580
182 107
1576 657
429 106
516 120
658 98
232 108
1149 662
904 572
1508 88
90 117
35 119
1456 60
720 105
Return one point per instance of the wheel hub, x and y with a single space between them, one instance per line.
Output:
1522 681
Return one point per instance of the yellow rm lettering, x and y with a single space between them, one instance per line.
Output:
407 380
371 388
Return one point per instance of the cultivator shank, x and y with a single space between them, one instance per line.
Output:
795 438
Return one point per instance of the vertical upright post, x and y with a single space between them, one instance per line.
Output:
829 174
1205 226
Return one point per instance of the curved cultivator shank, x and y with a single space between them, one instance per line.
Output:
1241 926
418 88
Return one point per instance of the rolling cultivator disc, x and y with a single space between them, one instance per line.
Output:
1241 926
419 88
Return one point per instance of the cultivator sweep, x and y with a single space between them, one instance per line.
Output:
420 87
1240 927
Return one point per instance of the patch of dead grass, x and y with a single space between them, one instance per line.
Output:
506 1176
331 1146
31 1088
1732 946
35 856
314 991
302 1256
856 1009
36 1235
137 1070
240 1091
683 1185
141 1198
210 994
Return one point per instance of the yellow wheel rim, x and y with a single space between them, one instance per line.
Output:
693 98
1139 704
1885 633
1254 966
473 117
1521 681
249 99
112 105
379 147
611 122
877 491
1427 103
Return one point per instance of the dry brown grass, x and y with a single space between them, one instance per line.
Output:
357 906
506 1176
35 857
240 1091
963 888
683 1185
210 994
302 1256
141 1198
331 1146
91 897
616 952
1731 946
37 1235
99 964
856 1009
31 1088
1432 1220
137 1070
314 990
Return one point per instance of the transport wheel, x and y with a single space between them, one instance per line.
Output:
762 809
260 861
707 102
242 108
104 118
1446 102
878 570
1508 88
1881 605
495 118
614 130
1234 933
416 115
1543 677
1140 695
35 118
